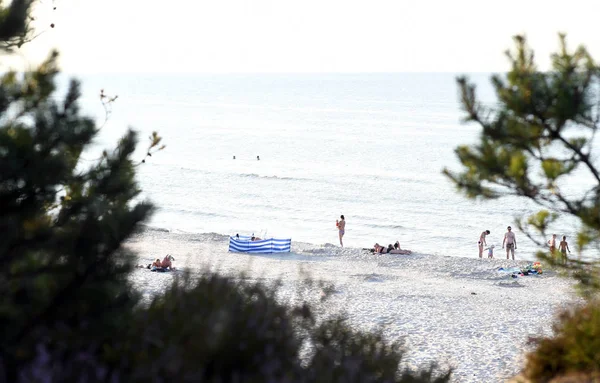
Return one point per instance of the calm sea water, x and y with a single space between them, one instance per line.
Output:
369 146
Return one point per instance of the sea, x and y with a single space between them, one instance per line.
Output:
285 155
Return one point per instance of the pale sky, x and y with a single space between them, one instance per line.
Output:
304 35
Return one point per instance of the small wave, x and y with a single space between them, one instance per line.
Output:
217 237
379 226
146 227
254 175
191 212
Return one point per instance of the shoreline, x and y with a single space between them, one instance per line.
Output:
456 311
298 246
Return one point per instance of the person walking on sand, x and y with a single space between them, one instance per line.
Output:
552 243
564 246
511 243
482 242
341 225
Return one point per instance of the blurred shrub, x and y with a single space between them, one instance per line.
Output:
219 329
574 350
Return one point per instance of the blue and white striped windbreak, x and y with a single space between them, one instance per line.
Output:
243 244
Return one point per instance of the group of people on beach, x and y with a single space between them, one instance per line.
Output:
257 158
377 248
563 246
510 243
252 238
165 264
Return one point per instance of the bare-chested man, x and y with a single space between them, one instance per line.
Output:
564 246
511 242
341 228
482 242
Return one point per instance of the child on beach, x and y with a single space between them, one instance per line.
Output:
490 251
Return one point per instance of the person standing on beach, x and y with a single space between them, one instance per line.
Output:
552 243
564 246
341 228
511 242
482 242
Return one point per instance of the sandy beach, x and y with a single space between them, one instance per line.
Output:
461 312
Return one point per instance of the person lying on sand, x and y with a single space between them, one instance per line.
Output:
398 250
156 263
391 249
166 263
378 249
253 238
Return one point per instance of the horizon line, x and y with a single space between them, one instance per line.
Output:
277 73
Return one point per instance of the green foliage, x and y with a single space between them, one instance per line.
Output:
64 279
535 140
14 24
573 348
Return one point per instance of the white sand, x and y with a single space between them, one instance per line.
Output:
460 312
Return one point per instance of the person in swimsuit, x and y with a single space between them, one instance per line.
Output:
482 242
491 251
378 249
552 243
166 263
398 250
564 246
510 241
341 228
